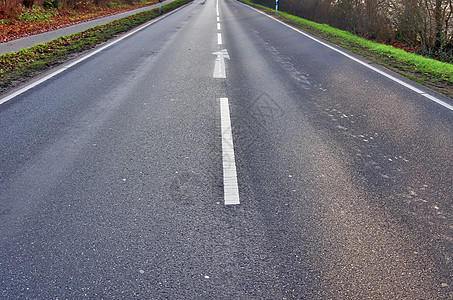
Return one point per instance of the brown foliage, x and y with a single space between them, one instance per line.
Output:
11 8
15 28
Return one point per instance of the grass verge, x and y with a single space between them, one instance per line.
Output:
429 72
18 67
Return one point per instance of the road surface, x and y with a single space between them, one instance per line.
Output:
219 154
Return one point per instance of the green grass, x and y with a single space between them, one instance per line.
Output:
37 13
19 66
424 70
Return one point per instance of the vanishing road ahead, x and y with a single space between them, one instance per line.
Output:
220 154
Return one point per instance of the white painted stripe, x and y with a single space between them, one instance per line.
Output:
218 19
219 38
64 68
230 181
438 101
219 66
391 77
217 8
218 26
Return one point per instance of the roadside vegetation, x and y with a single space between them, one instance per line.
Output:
13 8
17 67
423 26
433 73
23 18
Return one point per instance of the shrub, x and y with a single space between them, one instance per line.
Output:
50 4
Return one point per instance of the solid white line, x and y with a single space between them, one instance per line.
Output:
64 68
391 77
217 8
219 38
218 26
230 181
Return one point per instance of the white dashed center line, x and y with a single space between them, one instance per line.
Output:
230 181
219 38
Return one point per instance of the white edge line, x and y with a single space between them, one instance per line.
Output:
407 85
65 67
230 181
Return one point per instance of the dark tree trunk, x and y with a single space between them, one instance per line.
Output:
438 25
28 3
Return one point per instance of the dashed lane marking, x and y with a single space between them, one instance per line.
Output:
219 38
230 181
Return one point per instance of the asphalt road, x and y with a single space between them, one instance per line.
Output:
116 172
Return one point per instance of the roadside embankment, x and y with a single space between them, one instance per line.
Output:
429 72
18 67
